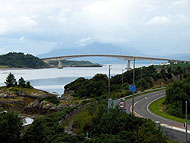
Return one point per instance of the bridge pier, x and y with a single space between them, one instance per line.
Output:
128 65
60 65
152 63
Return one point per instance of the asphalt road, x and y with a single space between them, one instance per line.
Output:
141 108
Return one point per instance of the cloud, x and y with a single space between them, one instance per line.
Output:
122 22
15 24
21 38
83 41
179 3
61 17
158 20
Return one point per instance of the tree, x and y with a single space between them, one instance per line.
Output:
28 85
10 127
22 82
116 126
175 94
10 80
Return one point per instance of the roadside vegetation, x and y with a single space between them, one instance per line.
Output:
103 127
145 78
175 94
171 106
158 108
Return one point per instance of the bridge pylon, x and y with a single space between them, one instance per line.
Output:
152 63
128 65
60 65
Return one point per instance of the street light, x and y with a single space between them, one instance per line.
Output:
109 82
133 86
122 78
141 79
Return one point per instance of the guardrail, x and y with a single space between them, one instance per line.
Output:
143 92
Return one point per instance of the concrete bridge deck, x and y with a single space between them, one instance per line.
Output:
122 57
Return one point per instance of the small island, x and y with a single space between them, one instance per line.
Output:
72 63
21 60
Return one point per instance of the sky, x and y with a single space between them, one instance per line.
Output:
154 27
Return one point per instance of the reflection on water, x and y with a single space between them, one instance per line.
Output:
28 121
54 80
54 85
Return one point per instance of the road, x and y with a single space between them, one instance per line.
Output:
141 108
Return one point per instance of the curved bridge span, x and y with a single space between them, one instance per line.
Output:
122 57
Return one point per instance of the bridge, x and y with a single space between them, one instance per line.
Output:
122 57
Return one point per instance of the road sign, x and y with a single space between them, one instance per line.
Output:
131 87
122 104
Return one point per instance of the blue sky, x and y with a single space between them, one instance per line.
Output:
154 27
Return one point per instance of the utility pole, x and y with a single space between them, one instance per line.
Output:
122 78
186 119
133 86
141 79
109 83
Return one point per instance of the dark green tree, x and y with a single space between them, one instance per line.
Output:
118 127
28 85
10 127
175 94
10 80
22 82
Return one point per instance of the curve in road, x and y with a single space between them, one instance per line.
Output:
141 108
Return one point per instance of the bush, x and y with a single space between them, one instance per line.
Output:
52 99
175 94
10 127
116 126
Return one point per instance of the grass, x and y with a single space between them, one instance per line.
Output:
3 66
157 108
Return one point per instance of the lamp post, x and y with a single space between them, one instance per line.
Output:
133 86
122 78
109 83
141 79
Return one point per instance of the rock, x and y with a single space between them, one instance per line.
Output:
34 104
53 108
72 105
64 97
61 107
43 107
68 92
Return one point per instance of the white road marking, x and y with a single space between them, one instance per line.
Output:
147 107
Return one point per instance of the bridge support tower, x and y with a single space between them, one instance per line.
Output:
152 63
128 65
60 65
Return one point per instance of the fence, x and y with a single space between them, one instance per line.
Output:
174 133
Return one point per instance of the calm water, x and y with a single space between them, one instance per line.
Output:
54 80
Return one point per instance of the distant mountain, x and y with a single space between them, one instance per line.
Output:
94 48
180 56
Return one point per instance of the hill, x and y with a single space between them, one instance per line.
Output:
20 60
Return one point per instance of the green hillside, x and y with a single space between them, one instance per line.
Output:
20 60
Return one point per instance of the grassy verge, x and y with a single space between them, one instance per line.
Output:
157 108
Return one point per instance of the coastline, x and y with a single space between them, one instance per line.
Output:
4 69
